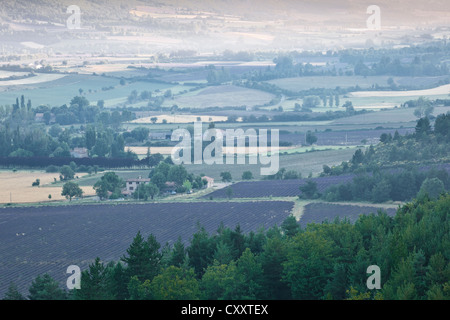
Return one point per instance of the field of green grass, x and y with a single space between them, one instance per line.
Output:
61 91
383 102
305 163
221 96
387 117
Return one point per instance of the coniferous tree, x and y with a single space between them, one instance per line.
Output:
44 287
95 283
143 258
13 293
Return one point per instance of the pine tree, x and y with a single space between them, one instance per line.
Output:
290 226
178 254
95 283
143 258
118 282
272 259
200 251
46 288
223 253
13 293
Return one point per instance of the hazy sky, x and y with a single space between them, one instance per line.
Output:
415 12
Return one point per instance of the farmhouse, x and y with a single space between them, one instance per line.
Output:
159 135
170 186
132 184
39 117
79 153
209 180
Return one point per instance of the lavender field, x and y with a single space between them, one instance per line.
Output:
38 240
321 212
277 188
347 137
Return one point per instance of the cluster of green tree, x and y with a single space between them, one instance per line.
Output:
25 141
18 77
166 171
264 86
420 66
322 261
16 106
384 186
21 137
306 115
285 67
139 134
67 172
284 174
436 49
45 162
218 76
19 112
80 111
426 145
109 186
71 189
315 101
20 68
135 97
105 142
237 56
318 116
75 168
424 107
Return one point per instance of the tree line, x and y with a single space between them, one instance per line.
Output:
383 186
427 145
43 162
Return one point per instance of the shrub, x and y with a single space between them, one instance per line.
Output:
52 169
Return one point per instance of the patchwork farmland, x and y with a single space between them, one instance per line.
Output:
87 116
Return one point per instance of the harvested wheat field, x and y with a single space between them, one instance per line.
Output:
15 187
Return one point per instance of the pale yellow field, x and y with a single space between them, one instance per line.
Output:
445 89
101 68
40 77
16 187
181 118
6 74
